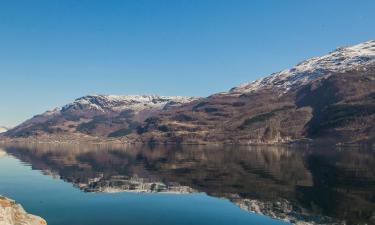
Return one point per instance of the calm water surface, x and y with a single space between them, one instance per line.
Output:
92 184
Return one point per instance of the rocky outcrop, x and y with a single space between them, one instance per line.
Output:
12 213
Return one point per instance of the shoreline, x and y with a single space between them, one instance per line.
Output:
101 141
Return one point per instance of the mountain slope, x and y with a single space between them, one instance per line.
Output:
96 115
330 97
355 58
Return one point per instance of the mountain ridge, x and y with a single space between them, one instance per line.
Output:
330 97
338 61
91 110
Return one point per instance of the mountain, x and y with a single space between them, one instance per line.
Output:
327 98
330 98
96 116
354 58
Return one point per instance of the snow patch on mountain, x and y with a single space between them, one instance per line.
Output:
357 57
109 105
3 129
118 103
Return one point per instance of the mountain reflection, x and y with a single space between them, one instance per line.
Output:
314 184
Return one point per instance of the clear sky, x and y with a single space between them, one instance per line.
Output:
53 51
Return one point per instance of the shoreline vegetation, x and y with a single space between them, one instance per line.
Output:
99 140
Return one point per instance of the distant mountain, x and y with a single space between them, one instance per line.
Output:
330 98
97 115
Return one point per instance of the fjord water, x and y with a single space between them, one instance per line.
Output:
106 184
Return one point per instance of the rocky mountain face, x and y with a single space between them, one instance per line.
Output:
326 98
12 213
330 98
97 116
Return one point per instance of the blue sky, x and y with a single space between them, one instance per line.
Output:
52 51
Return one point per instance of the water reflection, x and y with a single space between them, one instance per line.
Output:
315 184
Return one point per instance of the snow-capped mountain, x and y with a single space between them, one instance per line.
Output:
118 103
331 97
357 57
98 114
105 104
